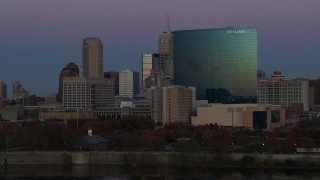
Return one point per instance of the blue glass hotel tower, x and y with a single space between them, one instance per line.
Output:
220 63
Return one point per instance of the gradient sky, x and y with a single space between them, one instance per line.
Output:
39 37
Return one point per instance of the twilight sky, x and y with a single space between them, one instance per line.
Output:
39 37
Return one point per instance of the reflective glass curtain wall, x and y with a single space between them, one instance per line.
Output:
218 62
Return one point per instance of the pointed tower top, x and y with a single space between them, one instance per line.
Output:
167 27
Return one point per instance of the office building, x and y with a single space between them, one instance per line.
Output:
92 57
156 99
277 91
70 70
166 53
155 78
314 93
115 76
19 93
177 104
171 104
52 99
149 62
261 74
3 90
15 87
128 83
87 93
220 63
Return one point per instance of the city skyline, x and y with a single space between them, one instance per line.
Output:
39 38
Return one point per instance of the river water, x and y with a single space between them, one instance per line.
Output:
156 173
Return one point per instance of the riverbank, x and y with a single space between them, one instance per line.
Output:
161 159
149 172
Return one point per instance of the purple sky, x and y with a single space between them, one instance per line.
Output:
39 37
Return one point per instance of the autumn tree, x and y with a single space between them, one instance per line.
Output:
308 143
273 144
290 142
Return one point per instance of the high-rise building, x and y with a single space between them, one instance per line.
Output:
87 93
92 57
220 63
277 91
115 76
171 103
128 83
71 70
166 53
261 74
3 90
314 89
177 104
156 99
15 87
149 62
155 79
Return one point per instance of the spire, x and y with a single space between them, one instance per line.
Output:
167 20
167 27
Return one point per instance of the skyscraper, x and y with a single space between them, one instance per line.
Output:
115 76
3 90
314 89
15 87
166 52
71 70
128 83
149 62
220 63
154 79
171 103
177 104
92 57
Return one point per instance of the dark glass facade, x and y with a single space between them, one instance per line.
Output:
217 61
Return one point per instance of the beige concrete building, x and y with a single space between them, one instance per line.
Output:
128 83
240 115
15 87
277 91
171 104
156 99
21 94
87 93
92 57
177 104
155 78
52 98
125 107
66 115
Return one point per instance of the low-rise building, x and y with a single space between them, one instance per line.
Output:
255 116
66 115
